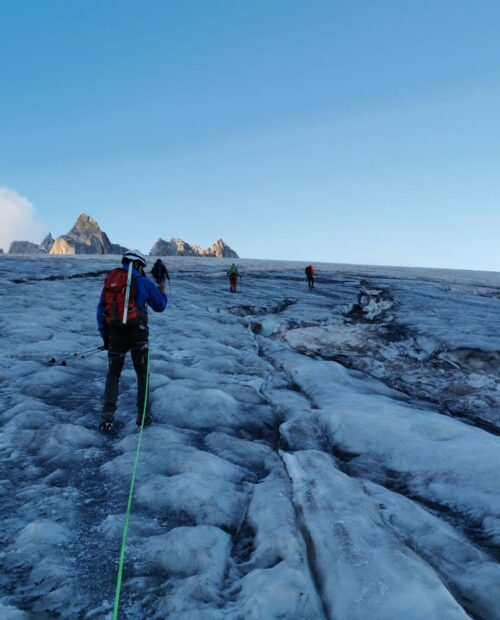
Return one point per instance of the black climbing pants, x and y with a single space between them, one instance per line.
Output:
133 338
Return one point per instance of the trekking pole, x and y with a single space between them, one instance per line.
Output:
101 348
79 354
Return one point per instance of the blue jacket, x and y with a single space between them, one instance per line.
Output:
146 294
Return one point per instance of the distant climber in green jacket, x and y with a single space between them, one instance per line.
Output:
233 276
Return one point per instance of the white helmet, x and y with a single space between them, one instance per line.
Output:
134 255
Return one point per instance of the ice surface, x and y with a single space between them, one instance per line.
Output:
324 454
7 612
364 570
436 457
471 574
198 498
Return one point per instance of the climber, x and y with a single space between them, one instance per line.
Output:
126 330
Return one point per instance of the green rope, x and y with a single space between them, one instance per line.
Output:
129 503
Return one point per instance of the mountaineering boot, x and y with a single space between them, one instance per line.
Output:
108 418
107 423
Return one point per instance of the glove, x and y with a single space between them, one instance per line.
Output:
159 271
105 341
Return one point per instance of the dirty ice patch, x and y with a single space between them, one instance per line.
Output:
188 566
474 360
140 528
153 442
8 612
247 454
49 380
34 502
470 573
194 408
39 557
276 581
174 458
271 545
213 370
59 444
436 457
37 538
454 320
303 433
276 592
65 442
363 567
270 503
208 408
372 304
328 338
187 551
197 498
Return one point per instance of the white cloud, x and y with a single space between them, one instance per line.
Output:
18 220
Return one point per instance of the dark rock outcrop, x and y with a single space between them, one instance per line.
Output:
116 248
178 247
25 247
47 243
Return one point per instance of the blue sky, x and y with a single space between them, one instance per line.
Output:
339 131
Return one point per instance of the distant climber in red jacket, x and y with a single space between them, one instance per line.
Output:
310 276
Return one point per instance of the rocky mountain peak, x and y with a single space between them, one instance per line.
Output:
178 247
86 237
222 250
85 225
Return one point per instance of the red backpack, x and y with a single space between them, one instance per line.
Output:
113 296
